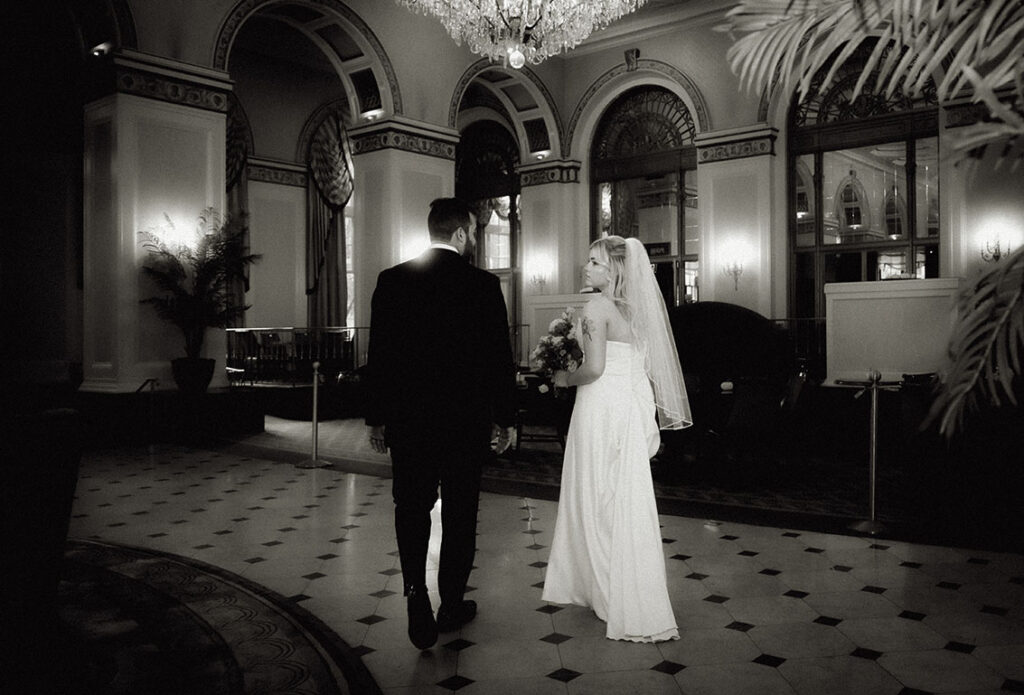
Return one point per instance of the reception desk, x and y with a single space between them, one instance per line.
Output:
893 327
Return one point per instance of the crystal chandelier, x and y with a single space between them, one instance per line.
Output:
520 31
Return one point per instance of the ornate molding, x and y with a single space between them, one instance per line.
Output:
396 139
557 172
960 115
281 175
739 149
133 79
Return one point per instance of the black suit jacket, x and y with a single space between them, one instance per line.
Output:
439 362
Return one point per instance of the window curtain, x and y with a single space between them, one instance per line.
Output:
239 145
329 190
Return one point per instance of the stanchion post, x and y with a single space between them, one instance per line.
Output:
314 461
874 384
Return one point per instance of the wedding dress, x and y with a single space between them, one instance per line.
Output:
607 551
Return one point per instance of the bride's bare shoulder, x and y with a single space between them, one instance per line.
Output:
598 304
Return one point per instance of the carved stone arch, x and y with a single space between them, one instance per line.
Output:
527 79
611 84
374 49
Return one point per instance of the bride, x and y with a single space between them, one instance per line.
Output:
607 551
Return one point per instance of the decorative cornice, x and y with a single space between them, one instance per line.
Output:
164 80
275 172
736 143
393 136
736 150
555 172
960 115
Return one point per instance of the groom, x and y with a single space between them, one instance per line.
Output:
440 375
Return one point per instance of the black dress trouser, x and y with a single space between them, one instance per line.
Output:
418 471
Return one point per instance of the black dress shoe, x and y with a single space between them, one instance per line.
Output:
451 618
422 628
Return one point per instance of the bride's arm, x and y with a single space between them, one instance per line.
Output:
592 333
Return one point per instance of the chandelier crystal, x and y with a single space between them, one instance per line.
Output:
516 32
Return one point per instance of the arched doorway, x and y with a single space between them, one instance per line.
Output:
644 184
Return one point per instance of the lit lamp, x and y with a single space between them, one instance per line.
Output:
372 114
515 32
537 272
992 252
733 270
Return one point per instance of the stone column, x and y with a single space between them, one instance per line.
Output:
552 216
736 184
400 167
154 146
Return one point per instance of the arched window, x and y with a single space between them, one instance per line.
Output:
643 172
863 187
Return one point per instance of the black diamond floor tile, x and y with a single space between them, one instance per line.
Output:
866 653
912 615
455 683
769 660
669 667
555 638
564 674
739 626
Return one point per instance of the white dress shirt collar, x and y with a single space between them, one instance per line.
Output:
440 245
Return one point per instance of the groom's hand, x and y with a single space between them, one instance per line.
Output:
506 435
377 439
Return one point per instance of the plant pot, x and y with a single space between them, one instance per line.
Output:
193 375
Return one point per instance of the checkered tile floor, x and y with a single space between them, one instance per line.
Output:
761 610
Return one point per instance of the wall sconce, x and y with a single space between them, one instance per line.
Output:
993 252
372 114
733 270
538 270
540 154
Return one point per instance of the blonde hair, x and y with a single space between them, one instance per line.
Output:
613 250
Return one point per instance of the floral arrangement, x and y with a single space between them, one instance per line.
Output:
559 348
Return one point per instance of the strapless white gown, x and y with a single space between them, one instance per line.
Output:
607 551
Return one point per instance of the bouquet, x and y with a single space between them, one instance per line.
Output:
559 349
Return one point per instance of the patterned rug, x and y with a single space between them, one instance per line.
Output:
141 621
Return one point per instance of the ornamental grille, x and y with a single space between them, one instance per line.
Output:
485 161
834 105
642 121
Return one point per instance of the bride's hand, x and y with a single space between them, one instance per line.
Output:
560 379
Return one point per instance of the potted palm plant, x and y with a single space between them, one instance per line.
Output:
195 278
978 49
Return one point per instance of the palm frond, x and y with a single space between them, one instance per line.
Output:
194 280
961 44
986 346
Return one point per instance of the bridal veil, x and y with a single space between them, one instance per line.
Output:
653 336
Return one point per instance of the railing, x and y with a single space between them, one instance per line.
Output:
286 354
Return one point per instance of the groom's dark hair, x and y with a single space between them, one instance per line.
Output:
447 215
